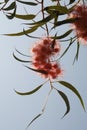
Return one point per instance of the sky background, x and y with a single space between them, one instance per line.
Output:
17 111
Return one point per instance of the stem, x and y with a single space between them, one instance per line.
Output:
46 100
42 7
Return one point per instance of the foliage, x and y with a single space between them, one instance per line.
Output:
49 20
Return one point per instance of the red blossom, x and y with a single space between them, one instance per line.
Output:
43 51
80 25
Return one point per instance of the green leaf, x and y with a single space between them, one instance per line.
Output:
22 53
11 15
25 17
64 97
6 1
20 59
59 8
12 6
30 92
73 89
34 119
43 21
64 35
38 70
66 21
77 52
23 33
27 3
71 42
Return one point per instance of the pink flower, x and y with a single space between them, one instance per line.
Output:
43 53
80 25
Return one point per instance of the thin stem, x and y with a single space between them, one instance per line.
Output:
42 7
46 100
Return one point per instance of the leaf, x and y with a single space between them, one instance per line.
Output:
39 71
34 119
27 3
66 21
73 89
25 17
71 1
22 53
12 6
11 15
43 21
77 52
30 92
71 42
23 33
66 101
64 35
20 59
59 8
6 1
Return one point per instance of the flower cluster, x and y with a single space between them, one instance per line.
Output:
80 25
43 53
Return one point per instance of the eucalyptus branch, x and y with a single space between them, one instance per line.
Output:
43 108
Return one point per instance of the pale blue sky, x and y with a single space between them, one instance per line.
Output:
17 111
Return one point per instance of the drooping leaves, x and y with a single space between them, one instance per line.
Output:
64 97
73 89
30 92
22 53
20 59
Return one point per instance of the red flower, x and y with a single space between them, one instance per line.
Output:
80 25
43 53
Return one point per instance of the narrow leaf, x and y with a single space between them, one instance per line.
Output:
63 36
71 42
11 15
23 33
77 52
27 3
12 6
72 88
43 21
30 92
66 21
39 71
61 9
22 53
20 59
66 102
34 119
25 17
